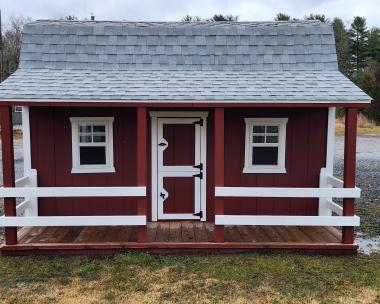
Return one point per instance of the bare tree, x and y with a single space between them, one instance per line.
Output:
12 43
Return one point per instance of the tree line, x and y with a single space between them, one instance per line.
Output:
357 48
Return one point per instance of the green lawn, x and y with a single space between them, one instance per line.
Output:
141 278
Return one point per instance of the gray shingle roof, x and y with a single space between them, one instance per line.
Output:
200 61
316 86
250 46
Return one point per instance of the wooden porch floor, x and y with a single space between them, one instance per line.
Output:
176 238
178 232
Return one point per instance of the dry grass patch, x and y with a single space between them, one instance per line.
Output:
141 278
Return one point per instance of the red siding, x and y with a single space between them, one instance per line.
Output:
305 155
51 156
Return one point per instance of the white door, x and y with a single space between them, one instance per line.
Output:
179 183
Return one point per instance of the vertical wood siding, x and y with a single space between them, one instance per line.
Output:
305 155
51 156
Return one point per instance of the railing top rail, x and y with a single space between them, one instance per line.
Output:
73 192
286 192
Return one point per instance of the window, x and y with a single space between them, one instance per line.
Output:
265 140
18 109
92 144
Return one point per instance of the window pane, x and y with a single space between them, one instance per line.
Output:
272 129
99 128
99 139
84 128
258 129
258 139
92 155
85 139
264 155
272 139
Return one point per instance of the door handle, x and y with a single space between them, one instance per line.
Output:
162 144
162 195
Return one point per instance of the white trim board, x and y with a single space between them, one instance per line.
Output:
47 221
73 192
286 192
176 170
285 220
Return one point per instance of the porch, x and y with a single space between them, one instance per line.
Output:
177 236
224 231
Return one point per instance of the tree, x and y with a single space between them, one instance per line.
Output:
374 45
189 18
359 42
224 18
320 17
282 17
71 18
214 18
12 44
369 82
342 44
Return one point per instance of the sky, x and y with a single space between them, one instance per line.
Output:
174 10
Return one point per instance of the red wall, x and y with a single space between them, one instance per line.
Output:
305 155
51 156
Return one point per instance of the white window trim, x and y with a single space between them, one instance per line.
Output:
77 167
280 167
18 109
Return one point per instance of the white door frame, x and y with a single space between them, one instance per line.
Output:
183 116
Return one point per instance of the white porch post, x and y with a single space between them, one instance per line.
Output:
323 209
28 171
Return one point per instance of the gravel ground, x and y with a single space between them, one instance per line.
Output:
368 179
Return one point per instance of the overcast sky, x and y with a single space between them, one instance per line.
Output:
174 10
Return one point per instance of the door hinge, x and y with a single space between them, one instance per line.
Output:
200 214
200 175
200 166
199 122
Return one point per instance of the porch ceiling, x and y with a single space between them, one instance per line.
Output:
39 85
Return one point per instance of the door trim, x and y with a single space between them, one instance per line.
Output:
154 173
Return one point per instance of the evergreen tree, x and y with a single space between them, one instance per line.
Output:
374 45
359 43
282 17
320 17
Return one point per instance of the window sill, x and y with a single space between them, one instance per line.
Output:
93 170
264 170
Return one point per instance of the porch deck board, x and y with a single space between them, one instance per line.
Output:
176 232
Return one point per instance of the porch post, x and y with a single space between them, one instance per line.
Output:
8 169
349 169
141 150
219 169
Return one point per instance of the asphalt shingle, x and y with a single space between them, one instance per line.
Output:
195 61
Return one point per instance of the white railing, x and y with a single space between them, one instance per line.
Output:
29 206
27 211
332 187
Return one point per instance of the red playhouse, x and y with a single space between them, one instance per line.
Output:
178 137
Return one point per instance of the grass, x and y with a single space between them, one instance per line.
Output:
141 278
365 127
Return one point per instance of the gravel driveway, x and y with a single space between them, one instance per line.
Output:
368 179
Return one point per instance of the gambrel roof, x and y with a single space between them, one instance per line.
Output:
179 61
